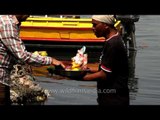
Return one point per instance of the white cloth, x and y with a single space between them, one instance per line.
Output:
109 19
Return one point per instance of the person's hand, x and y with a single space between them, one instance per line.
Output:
57 62
86 77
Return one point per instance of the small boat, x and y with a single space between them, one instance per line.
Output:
58 29
60 36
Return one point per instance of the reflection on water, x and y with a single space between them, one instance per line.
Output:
133 82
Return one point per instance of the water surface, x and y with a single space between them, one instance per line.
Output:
145 81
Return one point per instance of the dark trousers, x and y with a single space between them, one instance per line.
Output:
4 94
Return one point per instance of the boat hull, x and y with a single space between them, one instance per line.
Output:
61 37
58 30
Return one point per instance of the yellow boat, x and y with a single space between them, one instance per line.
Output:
58 29
61 37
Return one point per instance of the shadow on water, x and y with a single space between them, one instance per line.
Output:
133 81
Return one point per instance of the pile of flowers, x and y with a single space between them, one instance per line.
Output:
24 89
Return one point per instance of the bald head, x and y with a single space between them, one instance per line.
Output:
108 19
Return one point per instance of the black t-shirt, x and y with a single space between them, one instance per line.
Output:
114 62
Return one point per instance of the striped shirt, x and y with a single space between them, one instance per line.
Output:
12 48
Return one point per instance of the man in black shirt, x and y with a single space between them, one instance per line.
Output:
112 76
